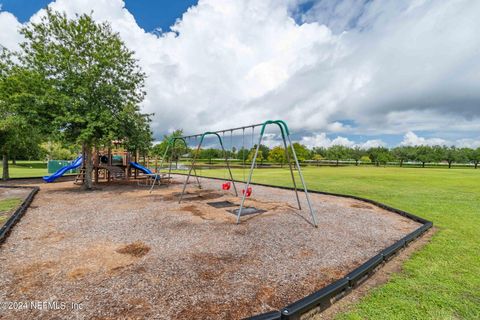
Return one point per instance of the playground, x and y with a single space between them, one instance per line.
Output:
168 245
142 179
155 256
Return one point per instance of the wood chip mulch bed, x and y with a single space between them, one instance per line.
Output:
121 252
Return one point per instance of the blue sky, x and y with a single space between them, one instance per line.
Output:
150 15
23 9
338 71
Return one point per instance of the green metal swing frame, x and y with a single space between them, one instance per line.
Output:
287 143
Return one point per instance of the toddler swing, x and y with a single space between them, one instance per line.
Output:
249 190
227 184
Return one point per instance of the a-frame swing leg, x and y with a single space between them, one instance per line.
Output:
287 155
239 213
196 177
194 172
160 168
190 171
303 182
314 219
170 165
163 157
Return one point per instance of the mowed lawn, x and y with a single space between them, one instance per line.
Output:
442 281
24 169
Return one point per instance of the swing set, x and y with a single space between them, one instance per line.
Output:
247 190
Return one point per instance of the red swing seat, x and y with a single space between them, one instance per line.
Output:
226 185
248 192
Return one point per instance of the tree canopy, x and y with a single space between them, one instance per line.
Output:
19 129
94 82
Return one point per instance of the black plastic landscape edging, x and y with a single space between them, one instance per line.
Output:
15 217
323 298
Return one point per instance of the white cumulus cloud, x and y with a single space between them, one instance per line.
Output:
387 66
9 36
411 139
322 140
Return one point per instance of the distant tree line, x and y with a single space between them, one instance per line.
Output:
419 154
377 156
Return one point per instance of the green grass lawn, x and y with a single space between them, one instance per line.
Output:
442 281
27 169
6 205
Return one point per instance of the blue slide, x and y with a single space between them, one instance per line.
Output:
141 168
75 164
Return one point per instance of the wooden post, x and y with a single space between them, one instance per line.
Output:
95 163
109 163
137 156
127 164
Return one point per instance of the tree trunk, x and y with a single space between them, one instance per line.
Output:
88 165
356 163
337 162
5 175
14 160
449 164
423 164
476 165
401 163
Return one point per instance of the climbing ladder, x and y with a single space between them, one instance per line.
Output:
80 176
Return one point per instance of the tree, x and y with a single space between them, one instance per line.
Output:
210 154
320 151
134 128
93 78
474 157
18 130
277 155
26 149
300 150
337 153
11 127
384 157
379 155
56 151
317 158
259 156
403 153
356 154
425 154
242 154
451 154
160 148
365 159
265 152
